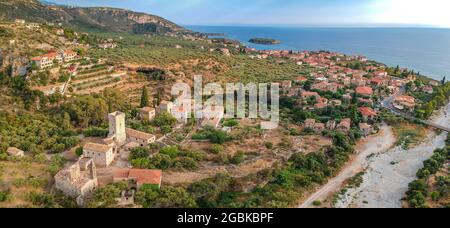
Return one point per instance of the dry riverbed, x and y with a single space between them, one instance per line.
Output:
388 174
367 148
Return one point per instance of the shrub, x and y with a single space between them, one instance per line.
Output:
139 152
171 151
164 119
186 163
238 158
231 123
317 203
269 145
166 197
4 195
216 148
79 151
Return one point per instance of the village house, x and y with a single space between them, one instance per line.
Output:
79 179
51 58
165 106
300 79
147 113
428 89
380 73
285 85
306 95
405 103
335 103
319 128
126 198
139 177
347 97
32 26
331 125
140 138
59 32
321 103
345 125
103 155
107 45
321 86
15 152
365 101
379 81
367 113
364 91
310 123
366 129
19 22
358 81
212 116
69 55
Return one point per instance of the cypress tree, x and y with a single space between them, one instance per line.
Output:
144 97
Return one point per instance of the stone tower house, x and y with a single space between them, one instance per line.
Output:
117 127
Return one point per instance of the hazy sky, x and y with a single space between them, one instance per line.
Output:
287 12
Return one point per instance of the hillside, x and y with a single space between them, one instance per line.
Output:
101 18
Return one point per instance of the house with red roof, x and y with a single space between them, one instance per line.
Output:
364 91
367 113
139 177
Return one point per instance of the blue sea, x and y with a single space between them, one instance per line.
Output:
426 50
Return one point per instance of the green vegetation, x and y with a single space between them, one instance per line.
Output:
106 197
285 184
170 157
96 132
214 135
265 41
36 133
45 200
4 195
439 99
144 97
6 33
166 197
165 121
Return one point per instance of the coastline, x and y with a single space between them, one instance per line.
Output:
383 45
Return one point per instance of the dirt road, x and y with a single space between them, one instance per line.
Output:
373 145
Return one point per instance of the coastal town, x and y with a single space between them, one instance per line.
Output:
115 126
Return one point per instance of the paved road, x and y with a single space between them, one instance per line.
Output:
388 103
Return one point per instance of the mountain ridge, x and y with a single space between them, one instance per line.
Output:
101 18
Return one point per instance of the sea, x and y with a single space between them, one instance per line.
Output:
424 50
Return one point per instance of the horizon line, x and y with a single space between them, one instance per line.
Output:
350 25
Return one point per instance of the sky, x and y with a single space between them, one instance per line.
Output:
288 12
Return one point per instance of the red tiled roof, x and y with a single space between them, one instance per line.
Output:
365 111
364 90
142 176
146 176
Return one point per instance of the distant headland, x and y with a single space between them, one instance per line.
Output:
264 41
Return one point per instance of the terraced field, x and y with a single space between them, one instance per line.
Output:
95 79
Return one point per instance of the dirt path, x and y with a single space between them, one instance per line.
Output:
373 145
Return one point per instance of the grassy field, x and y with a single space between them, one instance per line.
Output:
22 178
409 134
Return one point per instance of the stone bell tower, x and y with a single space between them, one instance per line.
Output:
117 127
